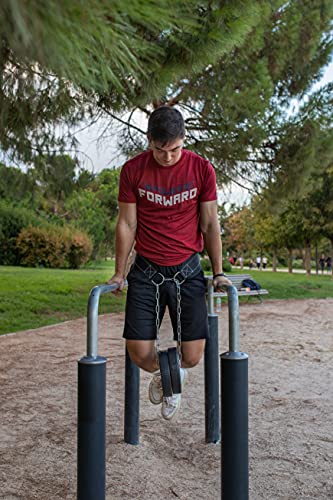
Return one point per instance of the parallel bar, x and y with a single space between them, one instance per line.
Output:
234 423
233 307
234 414
92 317
91 429
212 410
132 402
92 408
210 296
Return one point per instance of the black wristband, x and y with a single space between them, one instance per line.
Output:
219 274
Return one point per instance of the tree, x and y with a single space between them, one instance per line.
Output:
238 109
94 209
56 175
83 210
320 204
239 231
16 186
304 148
64 60
266 228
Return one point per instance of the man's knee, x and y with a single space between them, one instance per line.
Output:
144 356
192 353
189 361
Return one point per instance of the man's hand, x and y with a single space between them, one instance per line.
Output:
220 282
119 279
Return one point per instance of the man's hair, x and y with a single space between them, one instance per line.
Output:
165 125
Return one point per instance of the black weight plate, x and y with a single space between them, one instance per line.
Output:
174 370
165 374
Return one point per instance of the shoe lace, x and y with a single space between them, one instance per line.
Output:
171 401
158 383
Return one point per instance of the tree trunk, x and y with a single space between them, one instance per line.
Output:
274 262
303 258
332 252
290 260
307 257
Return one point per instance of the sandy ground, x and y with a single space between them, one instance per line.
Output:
290 345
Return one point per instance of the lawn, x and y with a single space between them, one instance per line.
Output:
282 285
30 298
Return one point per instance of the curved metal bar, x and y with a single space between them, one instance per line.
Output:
92 317
233 308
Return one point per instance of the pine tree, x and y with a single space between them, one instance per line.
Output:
60 60
238 109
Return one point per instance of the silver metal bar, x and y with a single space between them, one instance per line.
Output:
210 297
233 307
92 317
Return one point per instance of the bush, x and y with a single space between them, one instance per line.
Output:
12 220
227 267
206 265
80 249
54 247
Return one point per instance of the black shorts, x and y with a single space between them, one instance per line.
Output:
140 318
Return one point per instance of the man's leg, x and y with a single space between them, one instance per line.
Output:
143 354
192 352
194 331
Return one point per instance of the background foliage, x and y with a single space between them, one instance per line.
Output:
242 73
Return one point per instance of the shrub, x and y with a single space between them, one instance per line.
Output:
53 247
206 265
226 266
40 246
12 220
80 249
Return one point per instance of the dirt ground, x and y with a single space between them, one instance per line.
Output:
290 345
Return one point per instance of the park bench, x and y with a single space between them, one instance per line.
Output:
236 280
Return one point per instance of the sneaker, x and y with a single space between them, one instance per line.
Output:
172 404
155 389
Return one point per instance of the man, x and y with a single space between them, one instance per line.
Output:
167 207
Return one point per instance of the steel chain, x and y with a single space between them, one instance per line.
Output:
179 324
157 309
179 311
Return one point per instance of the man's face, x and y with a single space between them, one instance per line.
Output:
168 154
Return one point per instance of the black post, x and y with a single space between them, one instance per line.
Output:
212 410
91 428
132 401
234 422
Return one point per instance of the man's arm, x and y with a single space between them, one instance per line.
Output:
210 228
125 236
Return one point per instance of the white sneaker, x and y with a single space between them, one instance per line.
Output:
155 389
172 404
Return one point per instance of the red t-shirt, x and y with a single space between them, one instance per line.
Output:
168 202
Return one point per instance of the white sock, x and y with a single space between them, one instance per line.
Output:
182 374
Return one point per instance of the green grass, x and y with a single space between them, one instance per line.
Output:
30 298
